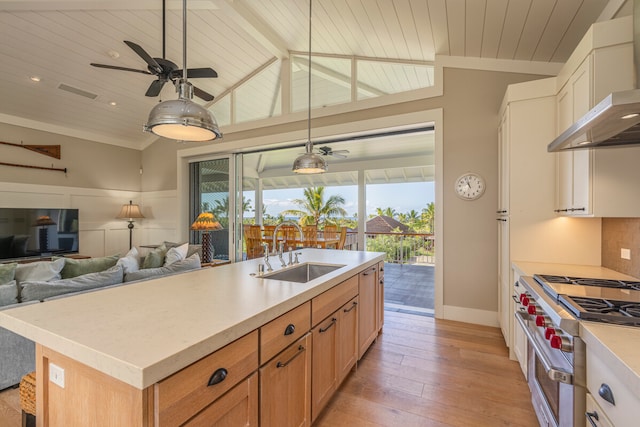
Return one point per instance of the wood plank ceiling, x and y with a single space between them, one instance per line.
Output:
56 41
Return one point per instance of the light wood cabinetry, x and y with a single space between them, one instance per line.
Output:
602 381
284 330
368 312
520 343
380 296
285 387
594 414
348 348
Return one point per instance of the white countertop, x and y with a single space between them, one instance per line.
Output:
143 332
618 346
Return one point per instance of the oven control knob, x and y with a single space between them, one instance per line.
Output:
561 343
531 309
524 299
549 332
542 321
522 296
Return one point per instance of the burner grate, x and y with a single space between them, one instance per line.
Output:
603 310
583 281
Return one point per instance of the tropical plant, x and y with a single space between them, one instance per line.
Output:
428 216
314 209
390 212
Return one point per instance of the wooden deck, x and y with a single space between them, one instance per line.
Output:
420 372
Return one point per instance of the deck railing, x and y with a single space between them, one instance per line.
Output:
401 248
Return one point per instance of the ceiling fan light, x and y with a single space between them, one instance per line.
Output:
309 163
182 120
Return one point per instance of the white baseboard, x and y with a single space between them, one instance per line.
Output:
470 315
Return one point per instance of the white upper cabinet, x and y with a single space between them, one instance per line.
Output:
596 182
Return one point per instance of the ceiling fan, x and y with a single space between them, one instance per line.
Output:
327 151
163 68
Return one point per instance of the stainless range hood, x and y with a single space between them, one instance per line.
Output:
615 121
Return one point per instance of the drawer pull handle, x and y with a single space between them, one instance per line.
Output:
382 281
218 376
291 328
592 416
333 322
346 310
366 273
282 365
606 393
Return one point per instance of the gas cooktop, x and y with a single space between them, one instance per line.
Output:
603 310
605 283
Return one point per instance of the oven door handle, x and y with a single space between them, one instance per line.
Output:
554 373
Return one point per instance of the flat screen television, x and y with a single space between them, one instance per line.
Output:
35 233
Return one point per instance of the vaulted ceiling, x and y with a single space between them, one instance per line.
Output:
57 40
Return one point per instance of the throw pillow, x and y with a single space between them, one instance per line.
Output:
191 263
78 267
5 246
131 261
155 257
193 249
9 293
19 245
39 290
177 253
7 272
40 270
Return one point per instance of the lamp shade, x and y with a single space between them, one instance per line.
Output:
182 120
44 220
309 163
130 212
206 222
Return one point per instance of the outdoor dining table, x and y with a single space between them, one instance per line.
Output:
320 241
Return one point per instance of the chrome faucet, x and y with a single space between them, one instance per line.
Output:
266 256
275 234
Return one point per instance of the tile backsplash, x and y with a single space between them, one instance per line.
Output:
619 233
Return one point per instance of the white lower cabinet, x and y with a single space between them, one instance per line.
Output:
594 415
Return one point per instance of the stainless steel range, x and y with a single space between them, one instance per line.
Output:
552 307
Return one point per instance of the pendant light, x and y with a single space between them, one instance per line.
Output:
309 162
182 119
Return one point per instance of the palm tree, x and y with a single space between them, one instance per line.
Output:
390 212
428 215
314 209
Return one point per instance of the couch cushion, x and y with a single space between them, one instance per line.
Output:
155 258
191 263
40 270
192 249
78 267
131 261
39 290
177 253
5 246
9 293
7 272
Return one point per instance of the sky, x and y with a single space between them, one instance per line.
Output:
402 197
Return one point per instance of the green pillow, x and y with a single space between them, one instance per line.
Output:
78 267
155 258
7 272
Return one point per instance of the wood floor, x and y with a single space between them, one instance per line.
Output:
420 372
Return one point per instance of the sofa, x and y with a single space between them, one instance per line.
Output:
41 281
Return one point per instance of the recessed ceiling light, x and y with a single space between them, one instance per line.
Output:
630 116
113 103
34 79
113 54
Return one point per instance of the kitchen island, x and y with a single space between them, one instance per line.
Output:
132 337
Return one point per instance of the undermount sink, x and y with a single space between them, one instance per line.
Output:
303 273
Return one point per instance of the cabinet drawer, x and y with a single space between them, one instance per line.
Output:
595 414
279 333
381 269
626 410
187 392
239 407
328 302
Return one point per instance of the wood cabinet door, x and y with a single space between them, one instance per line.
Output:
239 407
324 365
285 387
348 348
368 309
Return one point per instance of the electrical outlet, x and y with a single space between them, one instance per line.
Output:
56 375
625 253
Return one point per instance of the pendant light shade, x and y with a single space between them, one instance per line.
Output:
183 119
309 162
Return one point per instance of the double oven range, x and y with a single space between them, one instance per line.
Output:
550 310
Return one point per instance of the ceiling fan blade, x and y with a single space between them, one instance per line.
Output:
113 67
202 94
338 155
155 88
144 55
196 73
340 152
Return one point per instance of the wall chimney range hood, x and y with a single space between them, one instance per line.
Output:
614 121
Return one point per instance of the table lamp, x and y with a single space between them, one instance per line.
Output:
206 222
43 222
130 212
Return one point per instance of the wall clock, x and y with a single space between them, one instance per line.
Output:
469 186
